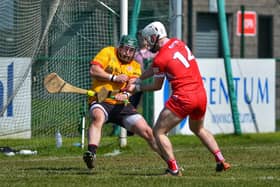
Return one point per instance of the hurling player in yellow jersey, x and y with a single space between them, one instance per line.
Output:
112 68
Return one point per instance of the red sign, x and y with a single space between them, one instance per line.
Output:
250 23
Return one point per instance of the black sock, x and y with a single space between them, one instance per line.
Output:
92 148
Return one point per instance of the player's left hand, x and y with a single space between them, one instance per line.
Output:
130 87
121 97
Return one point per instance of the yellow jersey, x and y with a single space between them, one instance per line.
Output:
107 59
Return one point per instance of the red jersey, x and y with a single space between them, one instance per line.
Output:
177 62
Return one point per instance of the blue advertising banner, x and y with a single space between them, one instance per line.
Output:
16 120
254 81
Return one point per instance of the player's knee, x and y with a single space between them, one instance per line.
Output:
97 120
148 135
197 130
159 131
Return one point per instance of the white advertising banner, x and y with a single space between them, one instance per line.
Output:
16 120
254 83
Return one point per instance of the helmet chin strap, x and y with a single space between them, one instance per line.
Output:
154 49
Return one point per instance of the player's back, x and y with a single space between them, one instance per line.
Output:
179 65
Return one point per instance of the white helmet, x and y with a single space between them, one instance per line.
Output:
153 32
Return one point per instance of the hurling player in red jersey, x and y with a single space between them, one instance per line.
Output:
176 62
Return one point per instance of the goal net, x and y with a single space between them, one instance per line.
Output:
38 37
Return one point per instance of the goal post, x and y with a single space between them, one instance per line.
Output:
124 31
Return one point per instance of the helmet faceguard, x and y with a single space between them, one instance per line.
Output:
126 49
152 33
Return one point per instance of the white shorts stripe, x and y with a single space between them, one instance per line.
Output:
131 120
101 107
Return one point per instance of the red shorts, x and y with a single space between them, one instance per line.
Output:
191 104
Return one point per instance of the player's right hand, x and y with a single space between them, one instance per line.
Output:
122 78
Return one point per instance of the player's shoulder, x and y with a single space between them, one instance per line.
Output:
175 42
102 56
135 63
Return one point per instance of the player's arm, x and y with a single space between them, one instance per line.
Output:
100 74
147 73
158 78
155 85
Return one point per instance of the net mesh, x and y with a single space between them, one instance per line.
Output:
56 36
38 37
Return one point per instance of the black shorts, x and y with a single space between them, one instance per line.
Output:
116 113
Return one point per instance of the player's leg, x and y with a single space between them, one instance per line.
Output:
196 126
166 121
94 135
138 125
94 131
196 122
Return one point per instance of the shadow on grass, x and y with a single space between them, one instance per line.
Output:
143 174
63 170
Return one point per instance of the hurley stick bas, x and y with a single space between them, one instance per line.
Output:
55 84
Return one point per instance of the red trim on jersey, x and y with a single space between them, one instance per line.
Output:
96 63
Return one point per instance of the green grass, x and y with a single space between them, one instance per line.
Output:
255 160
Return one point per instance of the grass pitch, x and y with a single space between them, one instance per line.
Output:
255 160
